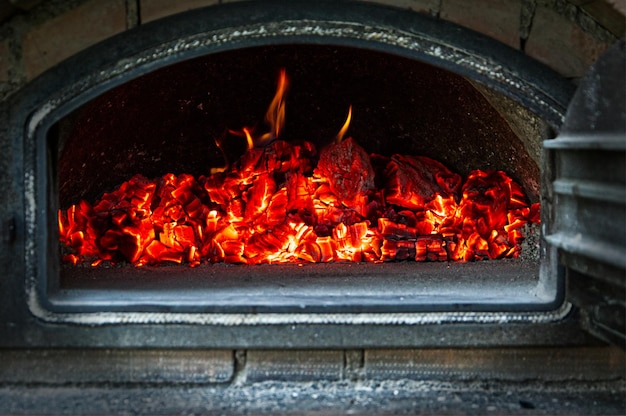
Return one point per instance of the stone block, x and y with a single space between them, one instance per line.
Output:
5 61
560 44
499 19
513 364
25 4
294 365
618 5
62 36
156 9
609 15
422 6
116 366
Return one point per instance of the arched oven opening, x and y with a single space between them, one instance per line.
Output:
183 101
189 121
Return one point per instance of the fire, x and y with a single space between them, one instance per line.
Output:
275 115
345 126
287 203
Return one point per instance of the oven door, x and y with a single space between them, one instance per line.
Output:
586 196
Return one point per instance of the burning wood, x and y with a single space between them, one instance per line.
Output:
347 169
281 203
412 181
249 215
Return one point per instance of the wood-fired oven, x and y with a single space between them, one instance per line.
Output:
179 96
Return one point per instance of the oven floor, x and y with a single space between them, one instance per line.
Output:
335 287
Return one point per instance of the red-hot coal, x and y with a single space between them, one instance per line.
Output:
287 202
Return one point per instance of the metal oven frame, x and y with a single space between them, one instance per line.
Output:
38 312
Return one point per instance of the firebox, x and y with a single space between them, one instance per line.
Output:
190 98
164 122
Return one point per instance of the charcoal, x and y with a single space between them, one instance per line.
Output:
413 181
348 169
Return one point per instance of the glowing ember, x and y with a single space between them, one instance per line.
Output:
283 202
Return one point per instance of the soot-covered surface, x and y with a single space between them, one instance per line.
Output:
333 287
168 121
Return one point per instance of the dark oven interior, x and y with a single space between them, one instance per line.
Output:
171 121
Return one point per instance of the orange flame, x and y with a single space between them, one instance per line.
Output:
275 115
346 124
218 169
249 139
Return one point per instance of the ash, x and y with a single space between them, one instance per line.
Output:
531 244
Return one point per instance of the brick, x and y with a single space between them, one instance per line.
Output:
116 366
5 60
499 19
63 36
156 9
422 6
299 365
560 44
618 5
608 15
25 4
514 364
